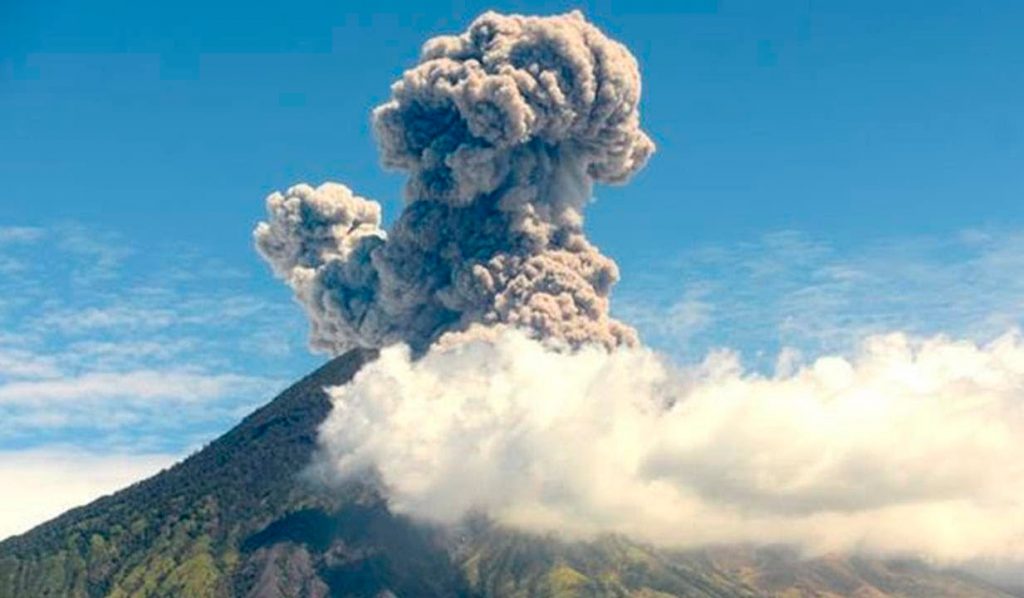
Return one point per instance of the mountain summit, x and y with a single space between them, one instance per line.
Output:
239 518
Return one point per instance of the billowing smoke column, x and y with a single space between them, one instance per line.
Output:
502 130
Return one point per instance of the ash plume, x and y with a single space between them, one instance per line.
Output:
502 130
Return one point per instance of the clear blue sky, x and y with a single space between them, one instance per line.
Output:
825 170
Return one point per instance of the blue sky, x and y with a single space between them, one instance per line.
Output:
825 170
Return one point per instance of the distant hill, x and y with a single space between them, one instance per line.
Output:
238 519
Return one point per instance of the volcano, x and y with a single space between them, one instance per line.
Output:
241 518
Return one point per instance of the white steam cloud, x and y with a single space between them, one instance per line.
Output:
910 448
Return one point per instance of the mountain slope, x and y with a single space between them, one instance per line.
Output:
238 519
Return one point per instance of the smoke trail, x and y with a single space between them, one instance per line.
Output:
503 130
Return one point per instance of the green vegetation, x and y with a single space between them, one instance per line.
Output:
238 519
178 534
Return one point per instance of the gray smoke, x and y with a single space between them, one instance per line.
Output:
502 131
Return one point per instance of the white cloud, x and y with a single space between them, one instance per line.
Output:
789 289
139 385
107 354
679 322
20 363
154 310
100 254
44 482
10 266
20 234
910 448
125 317
10 236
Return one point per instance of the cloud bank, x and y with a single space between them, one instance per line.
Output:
910 448
502 130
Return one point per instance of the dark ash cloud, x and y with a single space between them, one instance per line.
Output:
502 130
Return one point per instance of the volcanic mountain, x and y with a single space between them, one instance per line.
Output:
240 518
